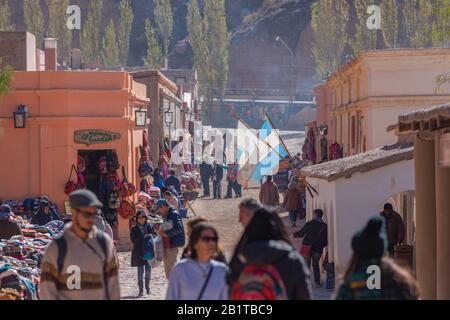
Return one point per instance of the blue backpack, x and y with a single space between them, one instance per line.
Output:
148 247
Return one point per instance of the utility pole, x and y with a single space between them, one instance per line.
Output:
292 67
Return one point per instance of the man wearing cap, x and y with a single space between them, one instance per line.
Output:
45 213
8 228
173 230
82 263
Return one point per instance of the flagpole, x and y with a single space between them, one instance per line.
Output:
248 127
279 137
290 156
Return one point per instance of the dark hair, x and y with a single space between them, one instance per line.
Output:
388 206
250 204
164 190
269 178
172 172
401 277
195 221
168 193
195 237
141 212
318 212
265 225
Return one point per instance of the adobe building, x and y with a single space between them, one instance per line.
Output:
360 100
69 114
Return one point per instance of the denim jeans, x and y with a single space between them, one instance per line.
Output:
217 186
148 272
314 259
293 216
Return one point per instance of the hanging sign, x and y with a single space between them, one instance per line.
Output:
89 137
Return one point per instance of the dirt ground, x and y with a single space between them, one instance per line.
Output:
224 215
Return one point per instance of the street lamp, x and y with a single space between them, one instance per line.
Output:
168 118
20 117
141 118
292 57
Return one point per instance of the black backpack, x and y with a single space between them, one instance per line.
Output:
62 252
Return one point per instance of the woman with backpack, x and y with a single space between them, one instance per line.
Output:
199 276
369 250
140 236
265 264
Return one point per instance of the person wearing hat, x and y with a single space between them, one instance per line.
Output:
172 232
45 213
137 236
8 228
369 253
82 263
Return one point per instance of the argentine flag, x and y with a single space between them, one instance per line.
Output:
268 158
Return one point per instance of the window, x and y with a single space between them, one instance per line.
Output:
353 135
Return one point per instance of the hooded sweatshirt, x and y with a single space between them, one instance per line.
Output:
284 257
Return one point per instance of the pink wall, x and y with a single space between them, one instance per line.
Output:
36 160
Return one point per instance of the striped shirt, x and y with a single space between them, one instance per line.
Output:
83 258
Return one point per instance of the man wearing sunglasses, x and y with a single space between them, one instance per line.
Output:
82 263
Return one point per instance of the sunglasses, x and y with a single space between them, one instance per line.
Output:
209 239
87 214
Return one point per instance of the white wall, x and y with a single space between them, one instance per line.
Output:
379 119
349 203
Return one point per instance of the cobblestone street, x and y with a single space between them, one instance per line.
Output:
224 215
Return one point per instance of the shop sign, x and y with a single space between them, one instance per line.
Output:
89 137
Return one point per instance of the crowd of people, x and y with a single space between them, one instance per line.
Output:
215 173
265 265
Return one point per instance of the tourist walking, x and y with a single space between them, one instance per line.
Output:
199 276
315 239
395 227
232 173
84 246
268 194
139 236
370 246
265 264
172 233
217 176
293 202
219 255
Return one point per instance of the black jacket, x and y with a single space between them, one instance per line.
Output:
284 257
218 170
137 238
315 234
173 181
41 219
205 170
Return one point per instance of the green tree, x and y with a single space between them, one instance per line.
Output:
218 41
110 54
329 23
154 57
5 78
441 24
125 25
5 17
164 23
57 27
364 38
90 33
423 34
197 28
34 20
390 22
